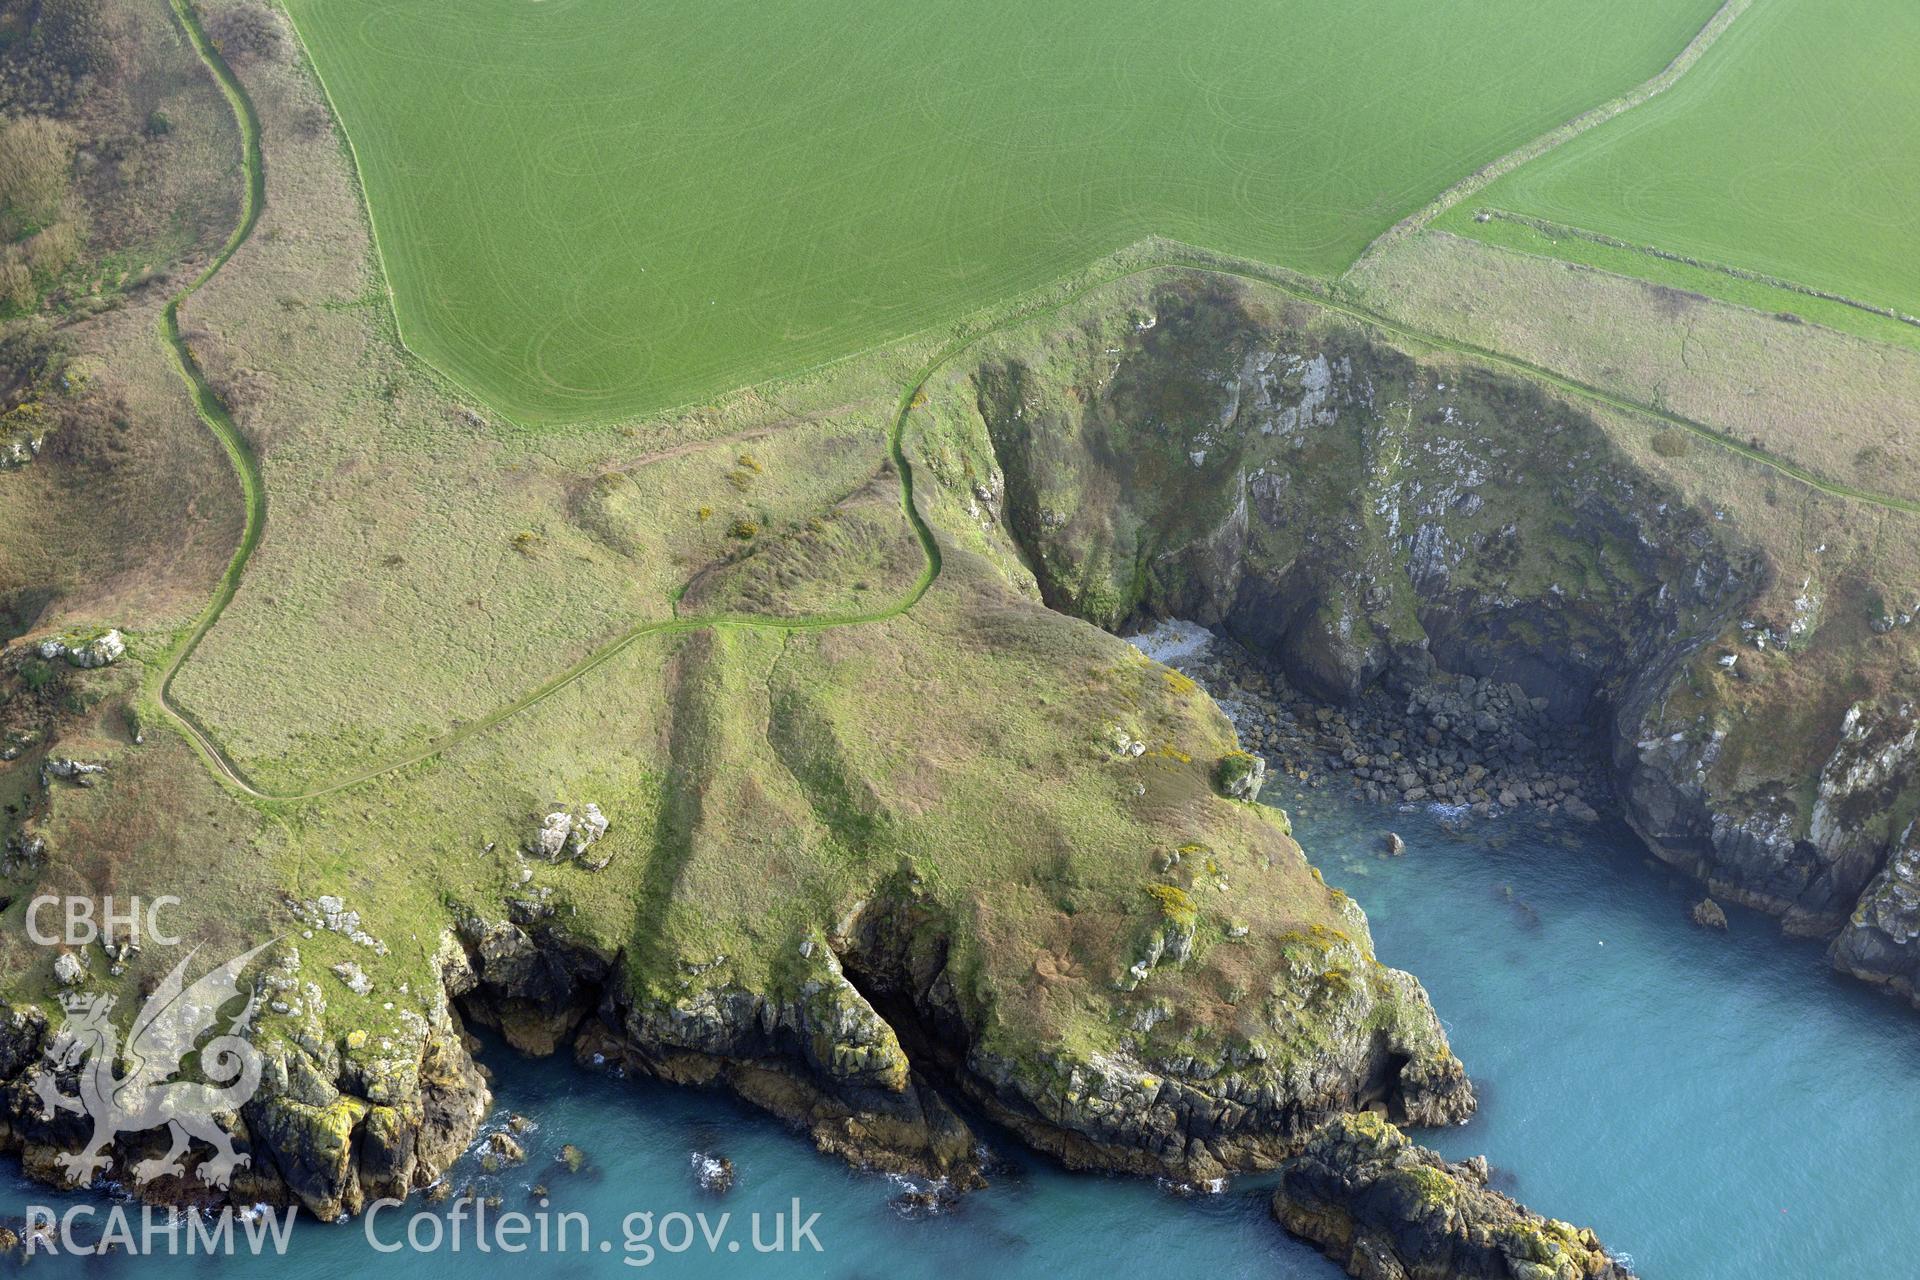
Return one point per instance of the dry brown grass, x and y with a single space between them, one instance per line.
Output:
1841 406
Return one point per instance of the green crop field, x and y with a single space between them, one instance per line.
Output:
589 208
1790 150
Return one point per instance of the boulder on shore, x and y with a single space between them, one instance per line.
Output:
1386 1209
1708 914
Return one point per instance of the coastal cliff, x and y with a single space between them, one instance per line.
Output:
874 867
1402 536
1057 913
875 1023
1015 873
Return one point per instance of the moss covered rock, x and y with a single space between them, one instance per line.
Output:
1389 1210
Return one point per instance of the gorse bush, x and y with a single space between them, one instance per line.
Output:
55 52
247 33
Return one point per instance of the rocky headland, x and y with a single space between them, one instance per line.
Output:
979 858
1386 1209
1445 585
873 1030
1203 1001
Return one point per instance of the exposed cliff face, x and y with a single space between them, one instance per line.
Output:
1351 511
1365 519
335 1136
327 1130
1881 940
860 1041
1805 853
1335 1031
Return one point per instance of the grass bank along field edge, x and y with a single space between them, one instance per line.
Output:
587 211
1786 156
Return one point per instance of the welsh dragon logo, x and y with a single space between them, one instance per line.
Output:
146 1095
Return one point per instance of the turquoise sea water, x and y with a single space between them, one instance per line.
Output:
1718 1106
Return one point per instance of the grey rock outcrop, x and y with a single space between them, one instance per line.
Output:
20 449
96 651
1758 848
1881 940
566 834
1242 774
83 773
1386 1209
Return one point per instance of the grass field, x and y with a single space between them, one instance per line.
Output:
589 208
1788 151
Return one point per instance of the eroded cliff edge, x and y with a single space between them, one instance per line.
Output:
1370 519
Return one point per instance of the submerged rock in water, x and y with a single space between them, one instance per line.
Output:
712 1173
1708 914
925 1199
1386 1209
503 1147
1395 845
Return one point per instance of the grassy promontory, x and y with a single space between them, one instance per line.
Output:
860 855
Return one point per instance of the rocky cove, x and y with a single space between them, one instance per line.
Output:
1484 747
1460 587
1447 587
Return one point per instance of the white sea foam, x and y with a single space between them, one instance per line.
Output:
1172 640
